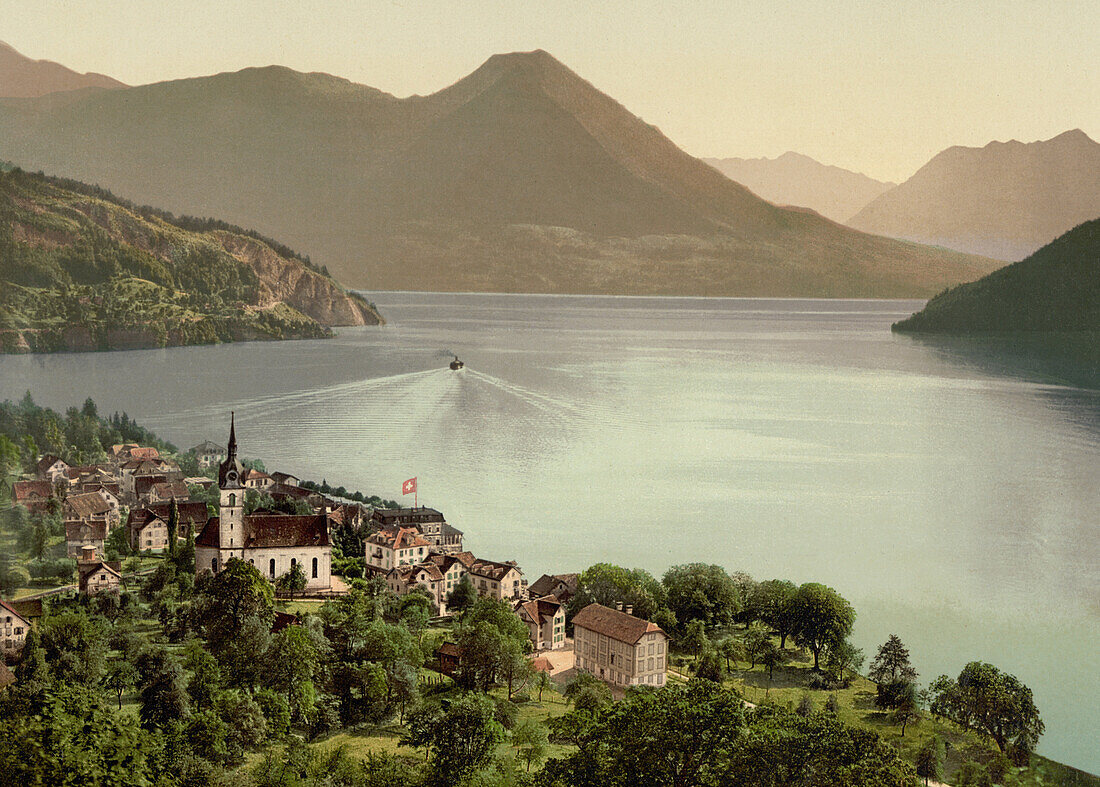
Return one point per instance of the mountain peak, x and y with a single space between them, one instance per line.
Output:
25 77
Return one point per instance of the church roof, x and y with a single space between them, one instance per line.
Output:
272 530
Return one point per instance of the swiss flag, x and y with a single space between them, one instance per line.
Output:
409 487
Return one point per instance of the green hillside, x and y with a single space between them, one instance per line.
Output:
1055 290
81 269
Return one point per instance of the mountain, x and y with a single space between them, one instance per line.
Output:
1056 289
794 179
81 269
520 177
22 77
1004 200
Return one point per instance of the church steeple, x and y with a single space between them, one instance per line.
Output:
231 449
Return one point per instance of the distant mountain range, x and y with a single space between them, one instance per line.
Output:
22 77
520 177
1056 289
795 179
1004 200
83 270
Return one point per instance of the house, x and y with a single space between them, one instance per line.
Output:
97 576
90 507
395 546
13 629
452 568
545 619
404 579
619 648
208 454
166 490
561 586
497 580
274 543
147 527
126 452
450 658
33 495
53 469
82 533
430 522
109 495
199 481
256 479
286 479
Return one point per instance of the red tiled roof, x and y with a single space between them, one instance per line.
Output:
614 624
450 649
26 490
144 452
168 489
272 530
541 610
189 511
408 573
541 664
399 538
287 490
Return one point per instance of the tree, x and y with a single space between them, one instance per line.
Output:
74 647
677 735
771 601
907 710
235 609
754 642
820 617
173 526
891 663
414 611
695 638
160 681
972 774
120 676
494 642
292 581
530 740
608 584
292 661
930 760
842 657
205 681
984 698
244 718
542 682
731 650
587 692
458 736
697 591
709 666
805 705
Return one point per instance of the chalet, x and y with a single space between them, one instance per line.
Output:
619 648
208 454
561 586
90 507
33 495
404 579
497 580
53 469
13 629
81 533
395 546
147 527
430 522
97 576
545 619
274 543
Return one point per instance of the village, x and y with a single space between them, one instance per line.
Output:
145 499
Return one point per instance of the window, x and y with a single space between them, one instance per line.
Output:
232 499
293 562
271 566
18 630
214 565
315 568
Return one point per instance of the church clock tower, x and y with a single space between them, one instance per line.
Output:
231 503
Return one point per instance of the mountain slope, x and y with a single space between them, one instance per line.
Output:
83 270
519 177
22 77
1055 289
794 179
1004 200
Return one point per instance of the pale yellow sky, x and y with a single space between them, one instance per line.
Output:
878 87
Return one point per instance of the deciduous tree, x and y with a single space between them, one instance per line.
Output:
820 616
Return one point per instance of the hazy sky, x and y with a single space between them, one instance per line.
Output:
878 87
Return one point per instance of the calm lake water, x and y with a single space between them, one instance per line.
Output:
954 501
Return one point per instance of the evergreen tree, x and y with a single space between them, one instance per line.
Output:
930 760
892 663
173 526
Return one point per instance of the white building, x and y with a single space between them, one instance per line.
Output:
618 647
273 543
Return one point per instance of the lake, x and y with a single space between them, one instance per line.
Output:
951 499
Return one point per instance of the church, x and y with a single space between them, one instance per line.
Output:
273 543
